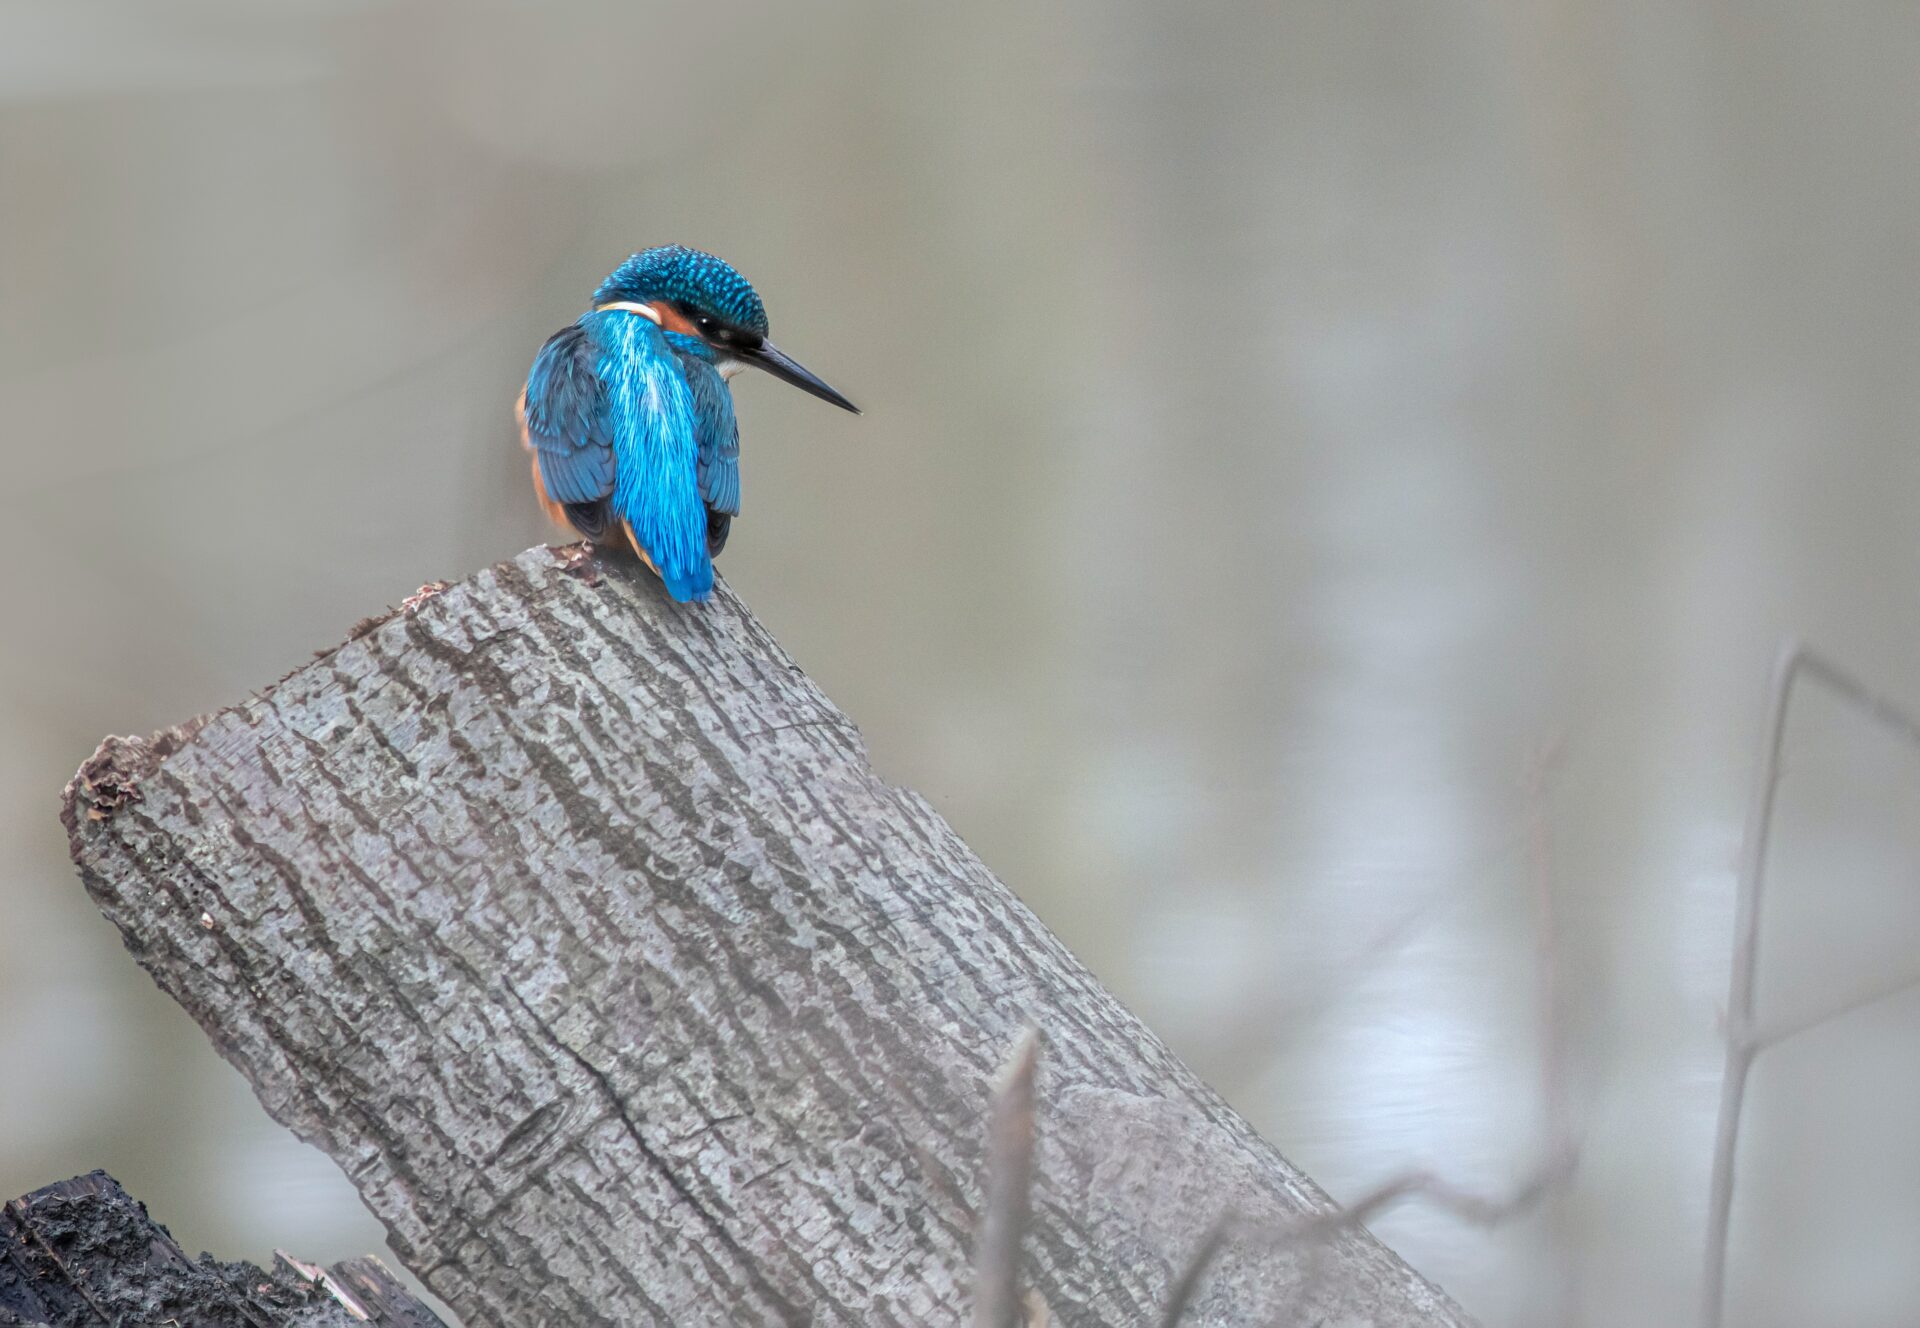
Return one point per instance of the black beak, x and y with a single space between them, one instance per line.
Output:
771 358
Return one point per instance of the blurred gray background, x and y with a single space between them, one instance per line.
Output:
1333 479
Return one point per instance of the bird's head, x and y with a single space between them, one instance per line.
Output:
700 296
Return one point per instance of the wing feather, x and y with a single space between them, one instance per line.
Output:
569 426
716 437
717 434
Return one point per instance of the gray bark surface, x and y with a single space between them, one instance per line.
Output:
576 927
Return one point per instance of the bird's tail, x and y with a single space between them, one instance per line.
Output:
685 584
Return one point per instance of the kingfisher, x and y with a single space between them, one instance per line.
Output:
628 412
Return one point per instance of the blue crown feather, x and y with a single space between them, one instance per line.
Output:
686 277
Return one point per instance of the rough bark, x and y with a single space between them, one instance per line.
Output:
576 927
84 1252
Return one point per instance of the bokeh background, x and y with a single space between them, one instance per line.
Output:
1334 478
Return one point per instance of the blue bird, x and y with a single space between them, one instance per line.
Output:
629 417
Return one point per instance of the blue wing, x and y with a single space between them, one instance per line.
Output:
716 437
568 423
656 488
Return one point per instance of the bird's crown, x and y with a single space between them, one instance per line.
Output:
694 280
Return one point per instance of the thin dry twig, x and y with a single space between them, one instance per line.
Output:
1774 1033
1746 950
1551 996
997 1299
1260 1027
1550 990
1477 1209
1188 1282
314 1272
1745 1038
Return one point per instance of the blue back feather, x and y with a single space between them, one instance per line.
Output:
655 482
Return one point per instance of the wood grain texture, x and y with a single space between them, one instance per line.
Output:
576 927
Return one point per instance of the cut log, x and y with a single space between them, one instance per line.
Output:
576 927
84 1252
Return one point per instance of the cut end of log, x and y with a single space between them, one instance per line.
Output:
110 779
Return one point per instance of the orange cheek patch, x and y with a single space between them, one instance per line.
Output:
672 319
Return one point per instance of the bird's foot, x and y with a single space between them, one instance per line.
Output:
581 560
422 595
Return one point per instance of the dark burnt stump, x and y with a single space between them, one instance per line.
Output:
84 1252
